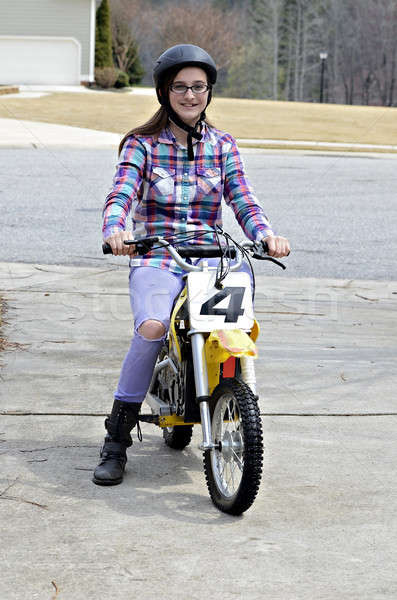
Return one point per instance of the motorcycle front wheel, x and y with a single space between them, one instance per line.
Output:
233 470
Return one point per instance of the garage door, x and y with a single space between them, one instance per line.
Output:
39 60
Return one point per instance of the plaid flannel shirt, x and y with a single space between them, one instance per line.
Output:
167 194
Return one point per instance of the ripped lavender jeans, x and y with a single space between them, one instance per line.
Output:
152 296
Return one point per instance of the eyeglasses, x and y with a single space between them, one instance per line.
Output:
197 88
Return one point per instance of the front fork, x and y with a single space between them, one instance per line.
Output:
201 381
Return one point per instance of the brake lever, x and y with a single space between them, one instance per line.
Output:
259 252
141 248
143 245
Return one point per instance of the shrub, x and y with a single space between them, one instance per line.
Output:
122 80
106 77
135 69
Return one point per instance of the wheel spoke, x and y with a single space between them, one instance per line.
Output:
232 475
222 465
238 461
227 477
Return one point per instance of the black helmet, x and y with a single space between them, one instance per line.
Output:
177 57
184 55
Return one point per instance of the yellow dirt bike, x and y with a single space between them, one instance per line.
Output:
205 371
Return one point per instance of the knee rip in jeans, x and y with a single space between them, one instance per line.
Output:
152 330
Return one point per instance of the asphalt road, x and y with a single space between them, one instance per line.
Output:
339 211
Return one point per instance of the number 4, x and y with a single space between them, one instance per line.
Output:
233 311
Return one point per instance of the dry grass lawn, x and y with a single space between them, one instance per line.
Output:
259 119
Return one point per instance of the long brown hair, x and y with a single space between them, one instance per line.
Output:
159 120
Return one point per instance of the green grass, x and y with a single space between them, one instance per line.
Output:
258 119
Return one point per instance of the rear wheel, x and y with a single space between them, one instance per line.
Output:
178 437
233 470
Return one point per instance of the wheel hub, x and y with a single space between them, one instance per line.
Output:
231 445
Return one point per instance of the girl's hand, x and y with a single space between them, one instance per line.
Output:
118 247
278 246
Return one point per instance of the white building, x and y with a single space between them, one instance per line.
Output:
49 42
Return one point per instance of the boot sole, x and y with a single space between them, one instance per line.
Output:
107 481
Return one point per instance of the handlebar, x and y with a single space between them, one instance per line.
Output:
191 251
178 253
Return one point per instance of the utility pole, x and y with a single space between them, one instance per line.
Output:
323 58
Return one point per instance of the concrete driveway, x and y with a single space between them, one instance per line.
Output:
324 522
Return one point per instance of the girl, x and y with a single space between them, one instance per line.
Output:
172 175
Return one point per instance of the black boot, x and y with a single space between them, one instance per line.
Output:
119 424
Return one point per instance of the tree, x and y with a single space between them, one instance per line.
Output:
154 28
135 26
125 50
103 36
248 73
302 33
270 48
363 37
203 25
265 17
378 51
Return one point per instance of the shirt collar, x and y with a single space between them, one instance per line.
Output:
167 137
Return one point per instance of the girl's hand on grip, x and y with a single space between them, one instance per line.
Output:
116 242
278 246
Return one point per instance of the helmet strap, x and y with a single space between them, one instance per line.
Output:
192 132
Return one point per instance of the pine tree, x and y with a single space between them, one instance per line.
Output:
103 36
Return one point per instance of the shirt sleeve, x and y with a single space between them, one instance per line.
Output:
126 183
239 194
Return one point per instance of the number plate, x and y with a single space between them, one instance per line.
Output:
227 308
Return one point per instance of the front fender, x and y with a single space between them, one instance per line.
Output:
220 345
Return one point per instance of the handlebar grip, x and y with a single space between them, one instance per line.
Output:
142 246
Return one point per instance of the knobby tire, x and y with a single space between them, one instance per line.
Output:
178 437
247 436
